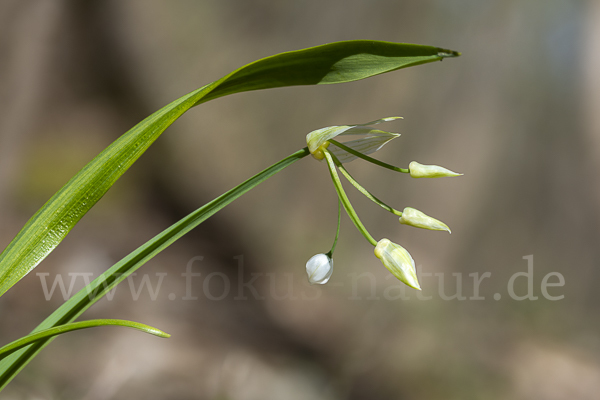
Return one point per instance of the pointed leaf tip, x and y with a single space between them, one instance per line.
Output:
45 335
448 53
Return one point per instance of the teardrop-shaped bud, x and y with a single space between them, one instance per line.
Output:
429 171
319 269
413 217
398 261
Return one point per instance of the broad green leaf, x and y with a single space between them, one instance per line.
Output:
75 326
81 301
331 63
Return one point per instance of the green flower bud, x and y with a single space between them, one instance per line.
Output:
414 217
398 261
429 171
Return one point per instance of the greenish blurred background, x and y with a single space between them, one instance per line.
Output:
518 113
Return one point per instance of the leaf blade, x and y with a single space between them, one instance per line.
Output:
86 297
60 329
337 62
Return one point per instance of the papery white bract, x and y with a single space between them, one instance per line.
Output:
429 171
372 141
319 269
398 261
413 217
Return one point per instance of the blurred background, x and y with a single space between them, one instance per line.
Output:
518 113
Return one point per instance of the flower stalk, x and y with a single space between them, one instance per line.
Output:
367 158
361 189
337 232
344 199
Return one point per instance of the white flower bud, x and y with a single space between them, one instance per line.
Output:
398 261
319 269
414 217
429 171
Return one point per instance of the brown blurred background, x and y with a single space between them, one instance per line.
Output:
518 113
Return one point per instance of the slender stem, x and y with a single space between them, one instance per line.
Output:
367 158
345 201
362 189
337 233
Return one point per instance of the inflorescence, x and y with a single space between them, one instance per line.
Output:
366 140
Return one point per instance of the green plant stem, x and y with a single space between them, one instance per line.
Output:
81 301
361 189
367 158
58 330
345 201
337 233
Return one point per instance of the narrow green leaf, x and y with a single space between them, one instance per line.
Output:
81 301
75 326
337 62
331 63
